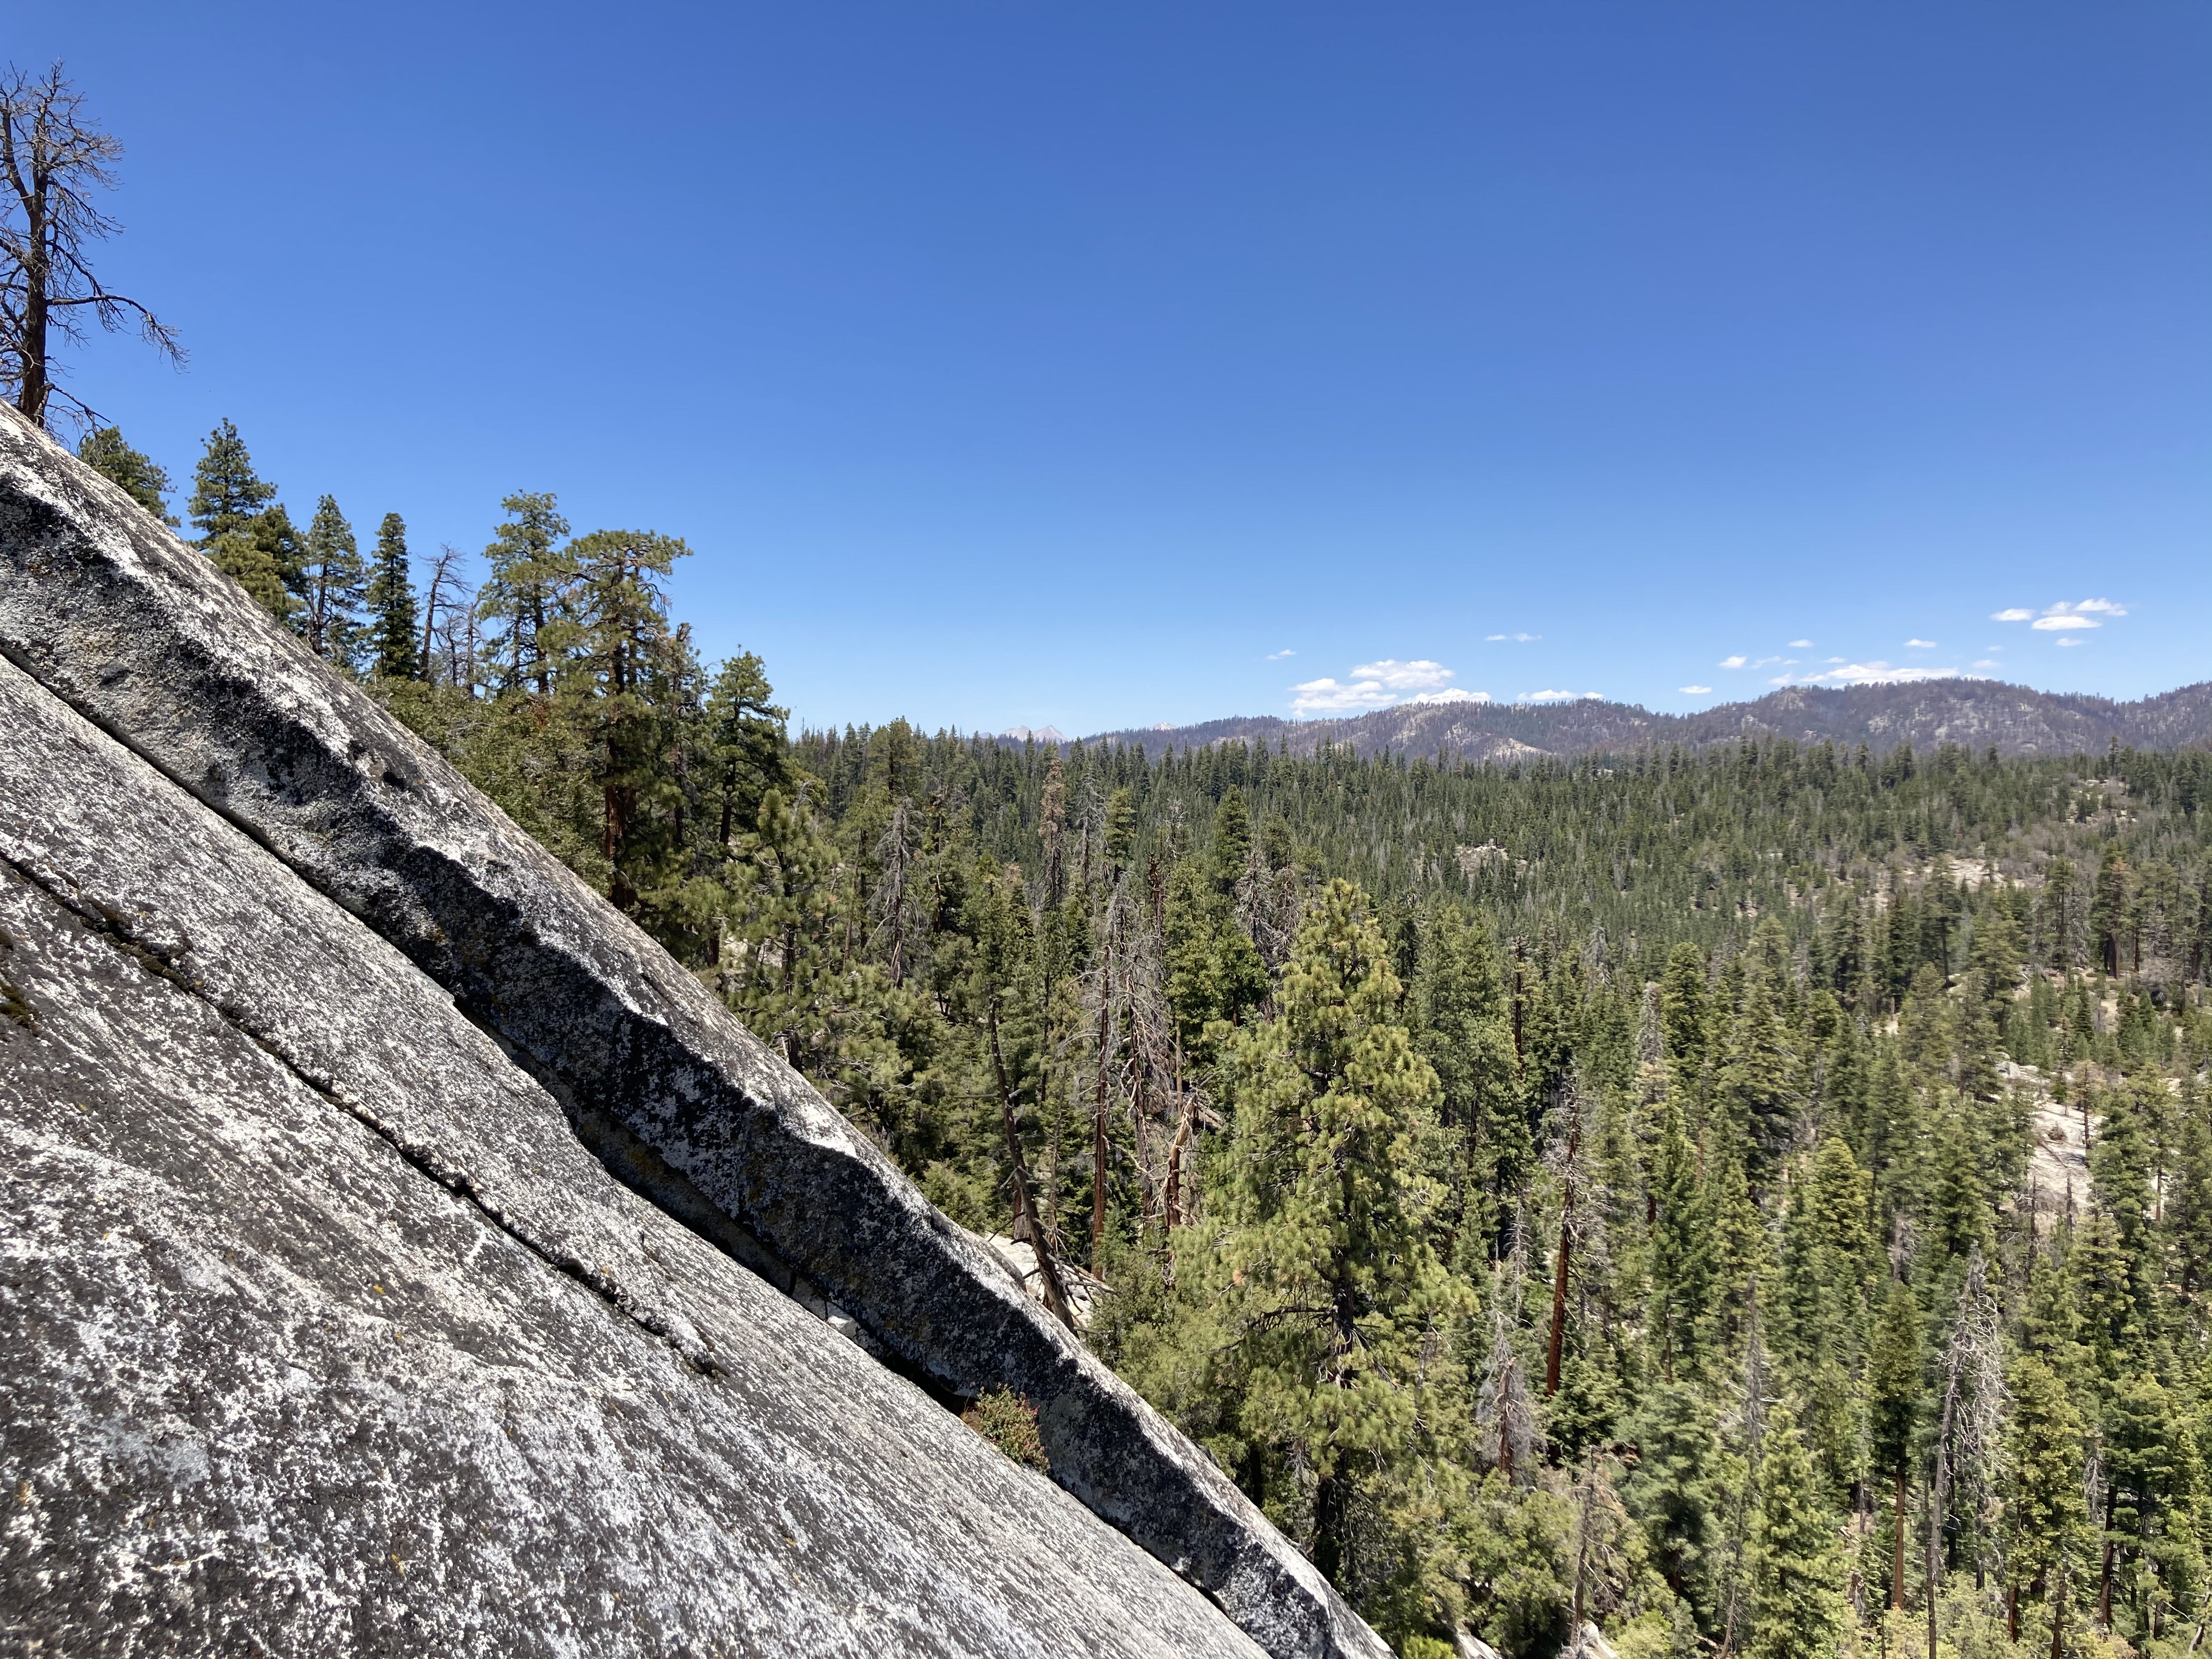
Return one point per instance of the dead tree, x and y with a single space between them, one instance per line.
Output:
445 579
52 161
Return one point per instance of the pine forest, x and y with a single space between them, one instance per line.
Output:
1754 1199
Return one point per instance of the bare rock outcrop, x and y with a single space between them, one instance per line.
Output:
402 1252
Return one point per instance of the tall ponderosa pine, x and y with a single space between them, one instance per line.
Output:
392 617
526 593
615 667
1338 1287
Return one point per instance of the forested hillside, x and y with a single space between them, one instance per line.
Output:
1972 712
1756 1199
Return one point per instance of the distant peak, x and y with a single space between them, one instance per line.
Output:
1041 734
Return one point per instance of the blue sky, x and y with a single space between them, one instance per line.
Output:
1069 362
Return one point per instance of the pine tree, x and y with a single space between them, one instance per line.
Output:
1894 1387
392 619
2189 1212
2153 1547
1796 1570
1685 1267
2050 1529
1232 839
337 587
103 450
782 978
747 755
241 556
1461 1028
526 592
1755 1080
227 493
1682 1011
273 531
617 658
1120 828
1342 1292
1676 1489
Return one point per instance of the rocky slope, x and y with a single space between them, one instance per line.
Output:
402 1253
1976 713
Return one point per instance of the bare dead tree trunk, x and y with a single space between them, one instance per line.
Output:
52 159
441 573
1175 1150
1055 1296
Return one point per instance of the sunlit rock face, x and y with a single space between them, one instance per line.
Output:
401 1254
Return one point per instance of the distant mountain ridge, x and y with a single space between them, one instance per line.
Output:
1978 714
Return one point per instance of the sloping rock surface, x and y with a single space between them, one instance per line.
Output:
401 1251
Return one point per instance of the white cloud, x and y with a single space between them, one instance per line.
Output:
1696 690
2070 640
1276 656
1419 675
1736 661
1523 639
1372 685
1989 662
1839 659
1328 697
1801 645
2065 615
1558 696
1877 673
1920 645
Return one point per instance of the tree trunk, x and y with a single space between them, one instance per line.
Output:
1559 1278
31 392
1328 1525
1098 1125
2058 1614
2104 1579
1897 1566
1175 1150
1055 1298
